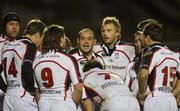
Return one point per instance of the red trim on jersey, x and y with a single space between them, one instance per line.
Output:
13 51
91 72
52 62
76 70
80 59
65 90
76 67
124 54
86 87
154 81
4 41
165 59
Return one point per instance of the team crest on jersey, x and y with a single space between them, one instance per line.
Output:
116 55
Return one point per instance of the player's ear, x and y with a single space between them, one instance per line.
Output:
77 40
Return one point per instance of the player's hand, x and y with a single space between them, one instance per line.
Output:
141 97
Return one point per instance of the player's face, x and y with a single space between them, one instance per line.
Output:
86 41
142 39
37 40
138 46
109 33
12 29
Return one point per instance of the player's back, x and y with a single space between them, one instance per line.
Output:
163 67
54 73
106 84
12 58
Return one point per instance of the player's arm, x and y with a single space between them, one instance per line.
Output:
3 85
87 105
176 89
142 80
145 69
77 93
76 80
27 70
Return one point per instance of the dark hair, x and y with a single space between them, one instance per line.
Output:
51 38
11 16
92 64
154 31
142 24
34 26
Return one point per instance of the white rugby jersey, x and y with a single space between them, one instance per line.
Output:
81 59
162 65
117 59
54 72
12 59
3 41
104 84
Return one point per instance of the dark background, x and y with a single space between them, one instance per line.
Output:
77 14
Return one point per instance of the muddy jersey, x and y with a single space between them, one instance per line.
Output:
104 84
116 59
162 65
54 72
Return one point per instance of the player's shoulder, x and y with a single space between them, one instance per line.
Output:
125 44
98 47
65 56
73 51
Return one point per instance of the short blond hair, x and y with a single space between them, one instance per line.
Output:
113 20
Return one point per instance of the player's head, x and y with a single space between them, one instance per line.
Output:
137 42
53 38
34 30
11 25
86 40
92 64
141 26
152 33
110 30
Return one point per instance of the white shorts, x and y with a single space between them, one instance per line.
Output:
16 103
120 103
56 105
160 103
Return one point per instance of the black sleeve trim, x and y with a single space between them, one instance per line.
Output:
27 71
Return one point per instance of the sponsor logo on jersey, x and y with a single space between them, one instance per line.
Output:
50 92
105 85
13 83
114 67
